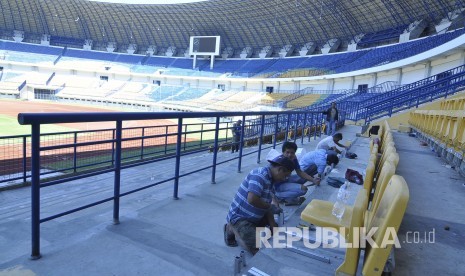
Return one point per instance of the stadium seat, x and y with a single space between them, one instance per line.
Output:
319 212
387 172
390 213
369 177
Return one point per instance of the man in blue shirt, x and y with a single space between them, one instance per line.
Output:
251 207
315 162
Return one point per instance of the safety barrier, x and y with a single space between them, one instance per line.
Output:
267 125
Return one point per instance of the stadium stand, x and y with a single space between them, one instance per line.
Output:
252 34
283 67
443 129
303 101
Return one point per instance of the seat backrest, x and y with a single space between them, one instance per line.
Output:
392 156
369 175
387 219
387 171
349 266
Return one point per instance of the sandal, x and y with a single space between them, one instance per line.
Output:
229 239
295 202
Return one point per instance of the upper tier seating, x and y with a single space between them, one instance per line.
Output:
269 67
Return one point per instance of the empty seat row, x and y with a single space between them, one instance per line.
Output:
379 206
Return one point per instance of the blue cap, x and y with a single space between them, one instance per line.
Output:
282 160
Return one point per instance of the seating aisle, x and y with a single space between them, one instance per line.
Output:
432 234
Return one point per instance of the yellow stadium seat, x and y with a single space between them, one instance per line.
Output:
386 219
319 213
369 177
387 171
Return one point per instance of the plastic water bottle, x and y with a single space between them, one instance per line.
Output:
328 169
343 154
342 197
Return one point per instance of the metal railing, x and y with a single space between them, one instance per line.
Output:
261 128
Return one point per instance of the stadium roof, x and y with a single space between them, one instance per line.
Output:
254 23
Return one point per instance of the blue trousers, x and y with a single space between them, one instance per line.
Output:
289 190
311 170
331 127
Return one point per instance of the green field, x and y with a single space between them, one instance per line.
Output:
9 126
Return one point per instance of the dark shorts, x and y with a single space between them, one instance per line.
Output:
246 231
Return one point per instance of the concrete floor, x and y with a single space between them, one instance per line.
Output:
161 236
432 234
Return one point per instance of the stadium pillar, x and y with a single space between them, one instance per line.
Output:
399 77
427 70
330 85
374 79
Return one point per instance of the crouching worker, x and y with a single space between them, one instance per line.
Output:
315 162
251 207
292 193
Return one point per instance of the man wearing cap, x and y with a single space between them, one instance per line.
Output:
236 131
251 206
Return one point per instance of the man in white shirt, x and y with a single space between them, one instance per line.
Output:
331 143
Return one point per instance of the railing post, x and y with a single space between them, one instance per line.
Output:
185 136
142 144
75 152
35 190
241 144
178 159
24 159
303 128
166 138
310 128
296 128
260 138
118 132
113 148
366 115
318 123
276 131
287 127
201 135
215 149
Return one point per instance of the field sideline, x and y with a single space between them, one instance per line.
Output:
9 110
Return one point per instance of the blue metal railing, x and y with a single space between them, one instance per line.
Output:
22 85
370 106
411 95
13 165
268 123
